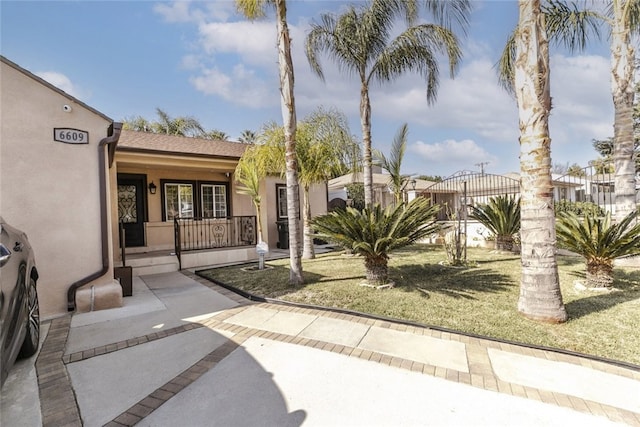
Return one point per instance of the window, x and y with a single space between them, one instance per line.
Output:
194 199
214 200
178 200
281 200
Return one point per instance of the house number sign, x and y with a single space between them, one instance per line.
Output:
70 136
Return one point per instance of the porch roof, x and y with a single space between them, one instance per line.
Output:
136 141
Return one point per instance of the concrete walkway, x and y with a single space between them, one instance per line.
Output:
184 351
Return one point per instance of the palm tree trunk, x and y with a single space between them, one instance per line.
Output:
376 270
622 70
289 122
599 275
365 121
308 252
258 220
540 296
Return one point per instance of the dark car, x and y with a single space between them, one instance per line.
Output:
19 309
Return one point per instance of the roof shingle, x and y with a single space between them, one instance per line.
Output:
172 144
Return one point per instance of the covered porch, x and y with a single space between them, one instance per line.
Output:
175 205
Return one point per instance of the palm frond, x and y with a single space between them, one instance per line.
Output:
596 237
569 25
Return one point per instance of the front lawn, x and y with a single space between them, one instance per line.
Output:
480 299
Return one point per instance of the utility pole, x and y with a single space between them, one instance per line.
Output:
482 164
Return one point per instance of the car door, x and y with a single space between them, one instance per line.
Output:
13 271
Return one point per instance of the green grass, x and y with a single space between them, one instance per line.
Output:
480 299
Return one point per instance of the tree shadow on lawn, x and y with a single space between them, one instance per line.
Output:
450 281
626 288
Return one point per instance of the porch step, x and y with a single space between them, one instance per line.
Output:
143 265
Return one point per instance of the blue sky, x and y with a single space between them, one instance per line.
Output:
201 59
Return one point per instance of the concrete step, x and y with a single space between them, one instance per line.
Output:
153 264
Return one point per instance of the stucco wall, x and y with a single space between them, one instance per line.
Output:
318 201
51 189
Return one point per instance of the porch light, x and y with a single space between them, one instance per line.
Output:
152 188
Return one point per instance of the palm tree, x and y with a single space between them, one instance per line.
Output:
600 242
540 295
247 137
501 216
254 9
181 126
137 123
217 135
249 173
393 164
359 41
374 232
322 139
623 20
573 27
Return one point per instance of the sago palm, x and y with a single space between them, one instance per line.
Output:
360 42
374 232
502 217
599 241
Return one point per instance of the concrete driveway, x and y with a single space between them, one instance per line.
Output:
183 351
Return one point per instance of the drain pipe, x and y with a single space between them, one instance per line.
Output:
104 229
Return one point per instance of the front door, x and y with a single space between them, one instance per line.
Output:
131 211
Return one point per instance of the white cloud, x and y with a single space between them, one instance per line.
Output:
241 86
581 92
60 81
254 42
184 11
454 155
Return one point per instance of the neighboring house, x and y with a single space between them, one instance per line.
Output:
381 193
70 177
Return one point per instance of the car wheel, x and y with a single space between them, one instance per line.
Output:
32 338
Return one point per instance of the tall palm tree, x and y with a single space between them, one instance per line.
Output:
393 163
374 232
573 27
600 242
254 9
623 20
360 42
540 295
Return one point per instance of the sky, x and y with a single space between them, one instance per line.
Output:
202 59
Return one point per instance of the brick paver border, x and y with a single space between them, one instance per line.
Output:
59 406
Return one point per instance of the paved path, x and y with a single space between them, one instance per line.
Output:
184 351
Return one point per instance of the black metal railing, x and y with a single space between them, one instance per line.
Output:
193 234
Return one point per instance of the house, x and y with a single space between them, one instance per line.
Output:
98 201
381 193
55 153
178 203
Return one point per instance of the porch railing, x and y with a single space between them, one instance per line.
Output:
193 234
